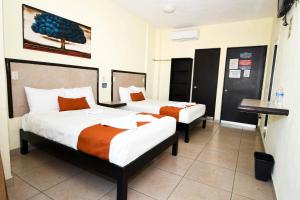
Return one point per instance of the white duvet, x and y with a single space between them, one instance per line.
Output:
186 115
65 128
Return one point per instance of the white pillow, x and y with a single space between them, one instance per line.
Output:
43 100
124 94
134 89
86 92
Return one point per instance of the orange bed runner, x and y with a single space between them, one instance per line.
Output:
95 140
171 111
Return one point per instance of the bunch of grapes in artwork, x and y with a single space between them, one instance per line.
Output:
58 27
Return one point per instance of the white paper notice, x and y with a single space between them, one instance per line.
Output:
234 73
234 64
247 73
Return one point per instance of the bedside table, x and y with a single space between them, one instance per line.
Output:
112 104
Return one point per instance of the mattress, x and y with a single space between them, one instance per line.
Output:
186 115
65 128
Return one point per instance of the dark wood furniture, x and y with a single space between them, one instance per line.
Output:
187 127
120 174
180 79
261 107
112 104
3 191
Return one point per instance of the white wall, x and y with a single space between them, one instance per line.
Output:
283 134
120 40
238 34
4 147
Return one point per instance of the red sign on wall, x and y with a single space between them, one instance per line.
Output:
245 62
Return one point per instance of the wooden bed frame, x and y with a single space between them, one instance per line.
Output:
188 127
104 167
180 126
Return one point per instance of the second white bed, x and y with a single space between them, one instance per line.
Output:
186 115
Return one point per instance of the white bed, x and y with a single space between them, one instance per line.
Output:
186 115
65 127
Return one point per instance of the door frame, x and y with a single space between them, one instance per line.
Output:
272 79
262 82
193 72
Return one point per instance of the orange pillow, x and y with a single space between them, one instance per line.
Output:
137 96
66 104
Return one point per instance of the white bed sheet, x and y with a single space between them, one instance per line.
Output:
186 115
65 128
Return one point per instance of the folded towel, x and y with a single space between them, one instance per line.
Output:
181 104
145 118
128 122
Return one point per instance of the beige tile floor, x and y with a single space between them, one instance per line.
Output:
217 164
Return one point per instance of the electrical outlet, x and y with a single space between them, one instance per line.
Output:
14 75
104 85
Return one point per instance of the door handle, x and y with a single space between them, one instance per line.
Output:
195 87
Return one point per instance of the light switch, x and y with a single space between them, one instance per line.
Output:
14 75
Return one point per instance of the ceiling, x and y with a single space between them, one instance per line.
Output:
199 12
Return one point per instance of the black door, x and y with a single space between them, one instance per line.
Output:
206 71
180 81
244 72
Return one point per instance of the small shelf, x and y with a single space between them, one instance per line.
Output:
262 107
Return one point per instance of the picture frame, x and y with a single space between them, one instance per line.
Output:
44 31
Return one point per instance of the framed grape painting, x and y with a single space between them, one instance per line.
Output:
44 31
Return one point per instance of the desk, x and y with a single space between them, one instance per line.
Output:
262 107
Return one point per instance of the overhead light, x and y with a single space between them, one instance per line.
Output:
169 8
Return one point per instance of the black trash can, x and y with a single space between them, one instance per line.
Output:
264 164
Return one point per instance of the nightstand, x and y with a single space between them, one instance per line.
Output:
112 104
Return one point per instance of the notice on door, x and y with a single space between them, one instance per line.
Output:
247 73
245 62
234 73
234 64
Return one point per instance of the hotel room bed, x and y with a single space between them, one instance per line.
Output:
186 115
60 132
129 151
65 128
124 82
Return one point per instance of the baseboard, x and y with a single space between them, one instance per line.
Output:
274 189
238 125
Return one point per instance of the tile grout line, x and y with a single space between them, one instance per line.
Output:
195 161
187 171
42 191
143 193
209 164
106 193
237 160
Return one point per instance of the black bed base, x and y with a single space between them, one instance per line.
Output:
188 127
104 167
